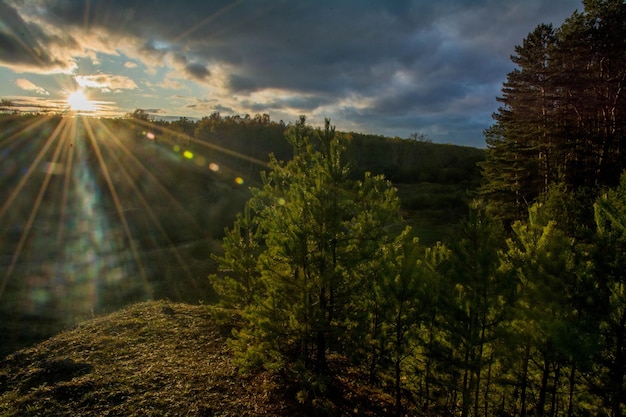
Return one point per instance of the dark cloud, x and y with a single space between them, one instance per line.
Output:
390 67
197 71
26 45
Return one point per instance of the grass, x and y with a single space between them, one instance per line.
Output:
159 359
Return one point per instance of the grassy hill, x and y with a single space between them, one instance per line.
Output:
160 359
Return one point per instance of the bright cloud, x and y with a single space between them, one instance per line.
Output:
106 82
27 85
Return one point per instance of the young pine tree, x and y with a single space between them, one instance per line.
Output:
320 233
611 277
405 296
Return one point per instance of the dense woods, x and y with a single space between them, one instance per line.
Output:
563 113
519 320
522 314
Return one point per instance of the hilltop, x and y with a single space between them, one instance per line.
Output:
159 359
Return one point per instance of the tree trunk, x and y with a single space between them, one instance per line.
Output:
398 360
617 373
320 336
479 362
466 389
545 375
374 359
524 382
572 386
398 387
555 390
487 387
427 370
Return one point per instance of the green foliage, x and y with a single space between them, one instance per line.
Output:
549 272
473 304
404 298
321 232
241 247
610 214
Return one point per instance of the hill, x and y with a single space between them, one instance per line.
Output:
158 359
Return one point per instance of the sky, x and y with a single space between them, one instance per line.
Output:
388 67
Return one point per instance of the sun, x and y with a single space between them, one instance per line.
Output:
78 101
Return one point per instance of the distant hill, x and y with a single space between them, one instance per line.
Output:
159 359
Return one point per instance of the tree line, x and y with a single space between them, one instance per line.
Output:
524 314
411 160
563 113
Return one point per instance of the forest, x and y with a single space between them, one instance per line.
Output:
462 281
523 313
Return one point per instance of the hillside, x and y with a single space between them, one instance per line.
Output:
156 359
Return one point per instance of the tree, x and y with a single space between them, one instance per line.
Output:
611 277
475 302
6 105
140 114
405 297
544 262
562 114
320 232
592 72
239 282
520 156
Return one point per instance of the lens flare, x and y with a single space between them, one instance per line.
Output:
94 213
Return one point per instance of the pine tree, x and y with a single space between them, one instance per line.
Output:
474 307
592 69
521 155
320 232
239 279
543 259
563 111
611 278
405 296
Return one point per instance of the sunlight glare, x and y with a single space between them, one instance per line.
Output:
78 101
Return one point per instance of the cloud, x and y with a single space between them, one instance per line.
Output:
36 104
385 67
27 85
27 46
197 71
106 82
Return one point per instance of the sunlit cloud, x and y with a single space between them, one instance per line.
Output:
106 82
28 85
129 64
35 104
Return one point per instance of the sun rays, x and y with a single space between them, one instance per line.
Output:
58 190
83 209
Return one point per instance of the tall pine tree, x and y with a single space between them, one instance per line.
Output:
563 113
